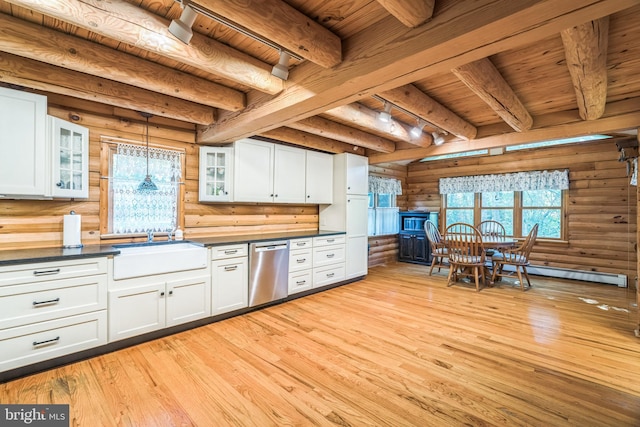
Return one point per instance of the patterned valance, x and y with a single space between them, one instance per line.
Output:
519 181
380 185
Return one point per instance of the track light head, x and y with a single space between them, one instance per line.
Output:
281 69
181 28
385 116
416 131
437 138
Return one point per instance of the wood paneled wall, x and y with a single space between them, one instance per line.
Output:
601 216
38 223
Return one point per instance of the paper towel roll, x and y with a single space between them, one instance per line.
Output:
72 231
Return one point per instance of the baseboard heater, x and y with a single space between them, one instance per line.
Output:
619 280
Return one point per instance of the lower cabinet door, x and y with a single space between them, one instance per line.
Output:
357 256
187 300
135 311
36 342
229 285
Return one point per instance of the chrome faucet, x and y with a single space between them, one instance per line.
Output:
149 235
169 235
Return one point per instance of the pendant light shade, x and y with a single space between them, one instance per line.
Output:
147 184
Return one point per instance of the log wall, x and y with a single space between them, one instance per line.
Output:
601 214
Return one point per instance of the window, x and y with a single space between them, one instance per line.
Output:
383 213
535 197
134 211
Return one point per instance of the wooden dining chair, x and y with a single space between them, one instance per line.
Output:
491 228
438 250
518 258
466 253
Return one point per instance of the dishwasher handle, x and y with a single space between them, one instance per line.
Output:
270 246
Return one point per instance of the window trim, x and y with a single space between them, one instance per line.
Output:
108 145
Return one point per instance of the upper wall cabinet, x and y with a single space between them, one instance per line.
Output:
40 156
24 151
319 184
70 156
216 174
266 172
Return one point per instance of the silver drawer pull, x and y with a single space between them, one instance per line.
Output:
231 251
300 244
301 282
46 272
231 268
330 255
331 274
301 260
331 240
51 301
37 343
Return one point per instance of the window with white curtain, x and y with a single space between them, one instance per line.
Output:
132 210
517 200
383 212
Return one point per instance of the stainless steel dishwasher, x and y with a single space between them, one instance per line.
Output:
268 271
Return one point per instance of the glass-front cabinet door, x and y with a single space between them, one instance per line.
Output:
70 145
216 174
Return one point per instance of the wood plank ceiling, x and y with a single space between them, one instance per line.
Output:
482 73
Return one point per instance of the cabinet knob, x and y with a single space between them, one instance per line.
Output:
162 293
308 196
170 292
271 195
276 195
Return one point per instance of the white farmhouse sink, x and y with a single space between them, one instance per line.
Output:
147 259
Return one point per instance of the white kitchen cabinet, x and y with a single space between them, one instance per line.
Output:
319 173
229 278
266 172
70 158
300 265
216 174
51 309
348 212
329 254
148 303
24 152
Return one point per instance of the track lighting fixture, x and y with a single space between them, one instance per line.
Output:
281 69
385 115
416 131
437 138
181 28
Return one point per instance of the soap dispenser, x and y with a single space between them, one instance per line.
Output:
179 235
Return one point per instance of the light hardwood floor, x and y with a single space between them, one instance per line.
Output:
396 349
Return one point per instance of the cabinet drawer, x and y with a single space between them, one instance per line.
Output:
328 275
328 240
300 281
300 244
300 259
326 255
37 302
229 251
37 342
39 272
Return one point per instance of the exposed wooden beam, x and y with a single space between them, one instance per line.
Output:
603 125
484 79
363 116
419 103
330 129
130 24
38 75
309 140
278 22
411 13
585 47
54 47
375 61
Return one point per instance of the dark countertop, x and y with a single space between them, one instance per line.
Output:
26 256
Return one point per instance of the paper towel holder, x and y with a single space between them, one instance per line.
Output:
72 232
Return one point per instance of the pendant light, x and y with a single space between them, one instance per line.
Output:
147 184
